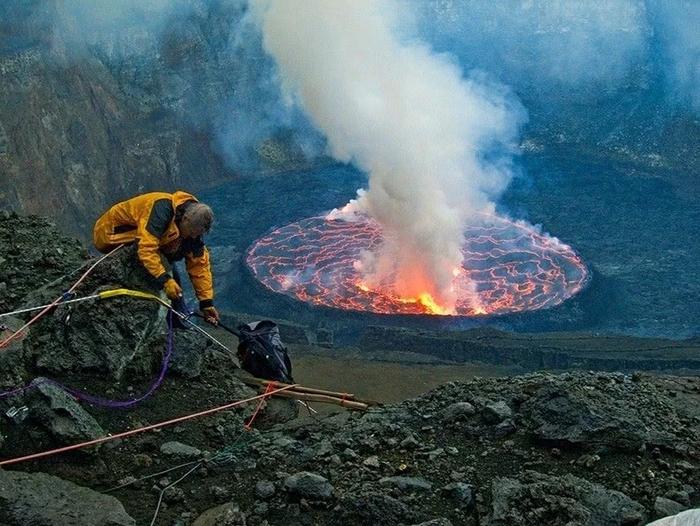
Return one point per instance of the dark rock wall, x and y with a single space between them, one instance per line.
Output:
87 122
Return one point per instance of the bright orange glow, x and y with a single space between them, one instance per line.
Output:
429 303
508 266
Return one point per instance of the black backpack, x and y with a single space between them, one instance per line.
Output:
262 353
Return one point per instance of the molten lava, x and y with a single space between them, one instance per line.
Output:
508 267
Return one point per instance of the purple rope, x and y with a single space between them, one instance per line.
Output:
106 402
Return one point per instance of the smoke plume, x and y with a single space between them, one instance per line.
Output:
430 139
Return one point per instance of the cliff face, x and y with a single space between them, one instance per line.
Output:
84 123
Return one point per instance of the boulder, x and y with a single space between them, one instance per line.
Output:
180 450
59 414
42 500
308 485
664 507
557 501
407 483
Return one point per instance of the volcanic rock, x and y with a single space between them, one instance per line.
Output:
544 499
27 265
59 413
623 416
374 508
308 485
457 411
228 514
42 500
178 449
264 489
461 493
407 483
664 507
496 412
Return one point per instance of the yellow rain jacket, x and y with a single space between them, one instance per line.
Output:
150 220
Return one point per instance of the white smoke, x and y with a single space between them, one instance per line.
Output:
427 136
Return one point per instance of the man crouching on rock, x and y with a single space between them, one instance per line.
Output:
168 225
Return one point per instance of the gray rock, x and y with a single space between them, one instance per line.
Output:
679 496
536 499
495 412
375 509
407 483
308 485
227 514
174 494
580 414
325 448
264 489
188 353
180 450
505 428
409 442
372 462
436 522
664 507
457 411
42 500
107 336
461 493
60 414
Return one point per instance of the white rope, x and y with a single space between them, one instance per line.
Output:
31 309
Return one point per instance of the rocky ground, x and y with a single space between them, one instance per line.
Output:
573 448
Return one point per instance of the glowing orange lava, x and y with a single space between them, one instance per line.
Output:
508 267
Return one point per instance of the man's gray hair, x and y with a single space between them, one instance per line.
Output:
200 215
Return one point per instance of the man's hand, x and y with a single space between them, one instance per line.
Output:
172 289
211 315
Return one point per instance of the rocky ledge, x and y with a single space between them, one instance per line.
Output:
570 449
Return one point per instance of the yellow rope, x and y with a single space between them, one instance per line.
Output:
134 293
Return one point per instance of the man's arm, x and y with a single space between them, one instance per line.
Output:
199 270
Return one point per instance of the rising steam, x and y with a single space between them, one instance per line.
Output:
430 139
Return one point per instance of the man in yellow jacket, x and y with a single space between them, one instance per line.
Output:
169 225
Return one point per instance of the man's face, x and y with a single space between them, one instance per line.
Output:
188 230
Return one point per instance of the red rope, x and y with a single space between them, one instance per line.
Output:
268 391
24 327
124 434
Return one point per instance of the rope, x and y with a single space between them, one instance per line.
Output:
66 302
249 425
152 475
120 404
58 300
138 430
172 484
222 457
106 402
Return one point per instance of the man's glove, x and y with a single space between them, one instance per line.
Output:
211 315
172 289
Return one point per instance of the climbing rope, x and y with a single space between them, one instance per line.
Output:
118 404
138 430
249 425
